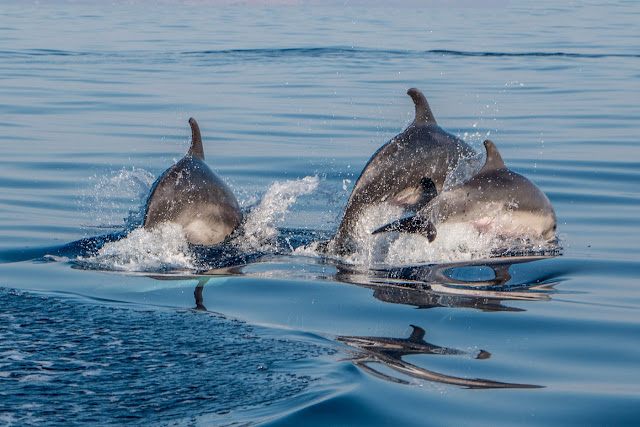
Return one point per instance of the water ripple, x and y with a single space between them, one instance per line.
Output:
532 54
115 364
347 51
307 52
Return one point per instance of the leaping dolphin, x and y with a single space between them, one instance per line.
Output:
495 199
407 171
193 196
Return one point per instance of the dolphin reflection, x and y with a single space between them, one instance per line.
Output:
389 352
426 286
198 294
443 285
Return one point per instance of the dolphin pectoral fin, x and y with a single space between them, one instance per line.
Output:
429 189
196 149
415 197
411 224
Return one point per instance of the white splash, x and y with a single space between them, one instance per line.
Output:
163 248
372 249
466 168
115 199
454 242
260 223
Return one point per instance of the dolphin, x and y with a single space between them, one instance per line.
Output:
495 199
407 171
389 352
396 348
193 196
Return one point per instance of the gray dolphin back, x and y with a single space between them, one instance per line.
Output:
494 192
407 171
191 195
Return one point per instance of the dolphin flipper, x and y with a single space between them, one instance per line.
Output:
414 198
411 224
428 188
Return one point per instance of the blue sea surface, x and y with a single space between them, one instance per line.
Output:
104 323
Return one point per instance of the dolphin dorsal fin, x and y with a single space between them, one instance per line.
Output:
494 159
196 140
424 115
417 335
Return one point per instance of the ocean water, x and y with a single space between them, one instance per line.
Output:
104 323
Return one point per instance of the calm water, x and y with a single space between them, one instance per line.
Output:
292 102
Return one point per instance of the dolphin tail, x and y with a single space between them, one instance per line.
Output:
196 149
423 112
410 224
